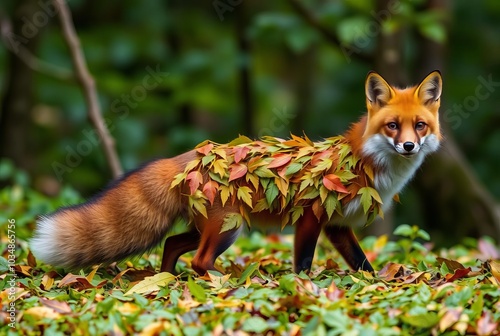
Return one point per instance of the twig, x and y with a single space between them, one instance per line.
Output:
88 85
327 33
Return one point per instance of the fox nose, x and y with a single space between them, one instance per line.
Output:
408 146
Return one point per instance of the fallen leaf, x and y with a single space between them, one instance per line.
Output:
151 284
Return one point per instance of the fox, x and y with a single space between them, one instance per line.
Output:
332 186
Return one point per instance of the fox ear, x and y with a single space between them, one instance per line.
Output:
429 90
377 90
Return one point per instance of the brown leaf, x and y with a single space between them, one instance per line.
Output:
333 293
393 271
77 281
451 264
31 260
22 270
495 270
60 307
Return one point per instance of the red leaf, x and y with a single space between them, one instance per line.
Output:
280 160
236 171
205 149
332 182
195 179
210 190
240 153
459 274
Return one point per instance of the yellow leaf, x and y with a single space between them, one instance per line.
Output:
245 194
282 185
151 284
225 191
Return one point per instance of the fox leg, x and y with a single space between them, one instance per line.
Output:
344 240
307 231
177 245
213 241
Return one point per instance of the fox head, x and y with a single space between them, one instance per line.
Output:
402 122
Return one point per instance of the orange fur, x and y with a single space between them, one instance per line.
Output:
135 213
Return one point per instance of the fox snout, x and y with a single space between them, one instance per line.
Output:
407 148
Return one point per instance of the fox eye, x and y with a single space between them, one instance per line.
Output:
420 125
392 126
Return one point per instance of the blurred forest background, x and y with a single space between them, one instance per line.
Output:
171 74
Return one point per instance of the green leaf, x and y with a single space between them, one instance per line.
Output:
232 220
366 198
196 290
297 212
248 272
425 320
404 230
255 324
293 168
331 203
207 159
271 192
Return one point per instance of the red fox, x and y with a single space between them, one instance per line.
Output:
332 185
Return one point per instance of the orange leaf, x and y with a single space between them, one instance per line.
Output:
210 190
332 182
240 153
195 179
236 171
205 149
318 210
280 160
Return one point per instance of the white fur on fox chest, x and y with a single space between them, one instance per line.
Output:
395 171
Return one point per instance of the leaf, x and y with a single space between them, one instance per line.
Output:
195 179
232 220
178 179
245 194
331 204
210 190
207 159
297 212
279 160
293 168
220 167
197 201
205 149
249 271
272 191
318 209
332 182
196 290
282 185
366 198
236 171
404 230
255 324
242 139
451 264
425 320
264 172
151 284
225 192
240 152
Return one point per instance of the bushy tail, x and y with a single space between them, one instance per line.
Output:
131 216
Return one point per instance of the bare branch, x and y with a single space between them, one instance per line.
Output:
88 85
329 35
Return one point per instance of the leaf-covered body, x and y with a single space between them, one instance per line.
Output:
328 186
282 178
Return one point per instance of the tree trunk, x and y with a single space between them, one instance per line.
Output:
18 100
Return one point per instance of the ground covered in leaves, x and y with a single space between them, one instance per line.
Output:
417 290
